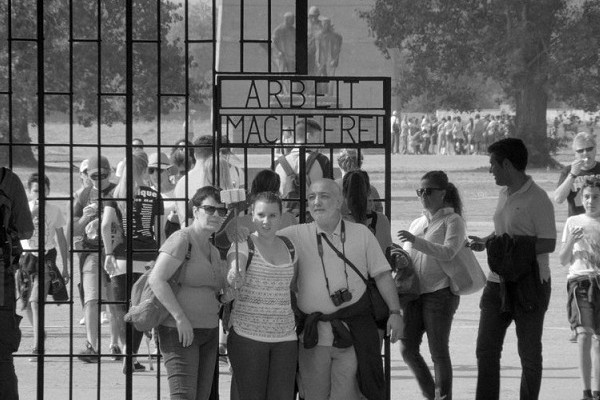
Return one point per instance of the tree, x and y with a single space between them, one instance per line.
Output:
88 77
514 42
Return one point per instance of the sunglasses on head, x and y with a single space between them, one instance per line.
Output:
426 191
210 210
587 150
98 176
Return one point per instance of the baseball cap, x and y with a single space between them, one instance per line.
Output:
96 163
84 166
159 160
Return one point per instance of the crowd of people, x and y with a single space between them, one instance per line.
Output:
449 134
298 295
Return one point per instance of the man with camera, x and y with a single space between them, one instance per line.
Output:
338 336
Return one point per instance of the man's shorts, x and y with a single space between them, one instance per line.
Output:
95 280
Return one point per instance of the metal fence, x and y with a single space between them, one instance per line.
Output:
86 78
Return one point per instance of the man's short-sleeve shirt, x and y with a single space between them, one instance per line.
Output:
527 212
360 247
574 197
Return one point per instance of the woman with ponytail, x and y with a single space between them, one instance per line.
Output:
356 189
433 241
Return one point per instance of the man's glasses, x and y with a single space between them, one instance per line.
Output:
210 210
426 191
586 150
95 177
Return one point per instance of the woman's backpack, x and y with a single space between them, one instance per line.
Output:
146 311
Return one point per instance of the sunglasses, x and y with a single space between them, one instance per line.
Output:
98 176
210 210
586 150
427 191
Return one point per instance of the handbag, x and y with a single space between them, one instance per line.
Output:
58 288
465 273
146 311
379 307
403 272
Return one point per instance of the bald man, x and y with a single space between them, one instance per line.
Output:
330 291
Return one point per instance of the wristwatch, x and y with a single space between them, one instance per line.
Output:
396 312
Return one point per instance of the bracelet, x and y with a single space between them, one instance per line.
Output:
398 312
109 254
572 175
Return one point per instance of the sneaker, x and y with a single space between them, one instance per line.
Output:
89 355
103 318
35 352
82 321
115 353
137 367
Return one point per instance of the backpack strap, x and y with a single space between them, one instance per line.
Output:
180 271
250 251
289 245
310 161
289 171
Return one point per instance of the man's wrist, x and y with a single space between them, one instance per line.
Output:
396 312
572 175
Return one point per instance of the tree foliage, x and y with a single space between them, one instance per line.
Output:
529 47
97 67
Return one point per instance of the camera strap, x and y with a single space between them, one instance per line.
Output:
320 250
345 259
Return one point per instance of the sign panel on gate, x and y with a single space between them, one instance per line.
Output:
259 111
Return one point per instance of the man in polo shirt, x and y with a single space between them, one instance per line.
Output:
523 209
573 176
327 284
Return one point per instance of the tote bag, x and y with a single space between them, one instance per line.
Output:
465 273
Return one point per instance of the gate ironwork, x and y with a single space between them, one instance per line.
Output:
84 78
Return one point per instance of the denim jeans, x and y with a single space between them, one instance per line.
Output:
190 370
263 370
492 328
431 313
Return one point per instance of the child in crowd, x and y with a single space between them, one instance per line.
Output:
54 237
581 251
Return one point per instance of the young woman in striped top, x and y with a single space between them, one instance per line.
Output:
262 342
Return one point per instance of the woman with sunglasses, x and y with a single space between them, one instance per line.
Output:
262 340
144 218
432 239
189 336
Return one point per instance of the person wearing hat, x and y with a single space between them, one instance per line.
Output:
86 216
160 170
83 174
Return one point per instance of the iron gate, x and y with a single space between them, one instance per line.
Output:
87 78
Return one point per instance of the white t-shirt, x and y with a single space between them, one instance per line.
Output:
54 220
586 252
196 179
